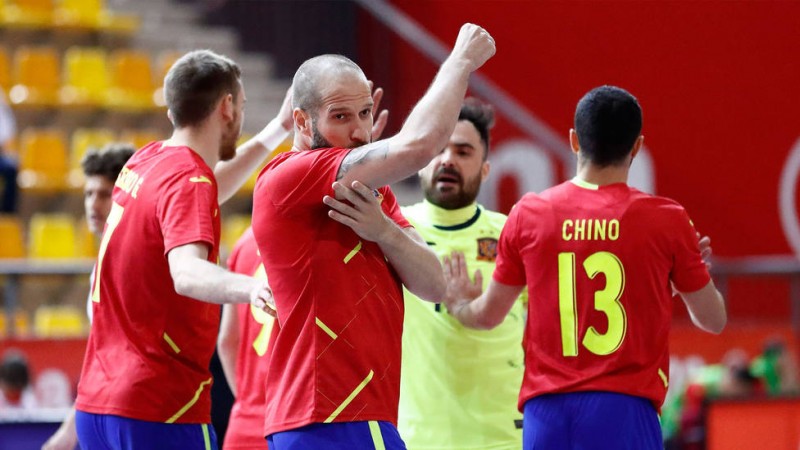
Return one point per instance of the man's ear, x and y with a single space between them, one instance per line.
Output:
573 141
227 107
637 146
302 122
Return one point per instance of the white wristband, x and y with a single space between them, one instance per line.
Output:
272 135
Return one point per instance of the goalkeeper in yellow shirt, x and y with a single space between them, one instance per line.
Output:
459 386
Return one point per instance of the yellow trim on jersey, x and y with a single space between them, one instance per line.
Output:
663 378
191 402
350 397
377 437
325 328
584 184
352 253
171 343
206 437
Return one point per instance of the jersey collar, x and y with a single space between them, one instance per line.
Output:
452 219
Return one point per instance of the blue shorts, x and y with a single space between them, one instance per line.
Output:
107 432
370 435
590 421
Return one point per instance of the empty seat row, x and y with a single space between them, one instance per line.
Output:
50 236
58 236
48 321
89 15
47 164
88 77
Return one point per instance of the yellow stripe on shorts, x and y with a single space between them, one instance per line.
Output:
206 437
377 437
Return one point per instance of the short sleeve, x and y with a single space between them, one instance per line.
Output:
509 268
689 272
187 207
301 179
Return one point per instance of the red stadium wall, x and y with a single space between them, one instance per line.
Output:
718 82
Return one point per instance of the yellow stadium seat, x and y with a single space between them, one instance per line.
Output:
85 77
36 77
87 243
82 140
51 236
12 244
80 14
59 321
43 160
28 13
165 61
131 81
5 70
22 326
139 138
232 229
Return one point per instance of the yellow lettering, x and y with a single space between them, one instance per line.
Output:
129 181
136 188
613 229
565 233
590 229
600 230
580 226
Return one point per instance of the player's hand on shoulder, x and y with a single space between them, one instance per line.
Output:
461 290
261 297
474 44
360 209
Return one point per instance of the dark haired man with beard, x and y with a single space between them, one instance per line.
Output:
145 380
476 373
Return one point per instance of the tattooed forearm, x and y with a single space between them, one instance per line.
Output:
375 151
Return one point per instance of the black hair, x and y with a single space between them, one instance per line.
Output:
108 161
608 120
480 115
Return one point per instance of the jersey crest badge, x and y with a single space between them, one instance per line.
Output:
487 249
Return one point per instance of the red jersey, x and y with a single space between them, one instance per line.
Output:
149 348
245 428
598 262
336 357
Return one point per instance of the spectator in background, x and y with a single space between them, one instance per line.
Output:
15 383
100 169
777 368
8 162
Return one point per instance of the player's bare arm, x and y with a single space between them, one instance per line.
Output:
430 123
232 174
195 277
706 308
465 301
406 251
228 344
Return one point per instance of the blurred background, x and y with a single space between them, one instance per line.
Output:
717 80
